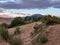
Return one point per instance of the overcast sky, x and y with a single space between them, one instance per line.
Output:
31 6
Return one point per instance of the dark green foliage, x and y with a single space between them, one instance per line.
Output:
17 31
16 22
21 21
4 33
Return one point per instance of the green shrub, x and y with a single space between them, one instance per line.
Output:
50 20
16 22
4 33
10 39
17 31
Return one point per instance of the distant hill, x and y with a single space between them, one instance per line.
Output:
37 15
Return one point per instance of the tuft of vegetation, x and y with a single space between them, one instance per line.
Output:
17 30
4 33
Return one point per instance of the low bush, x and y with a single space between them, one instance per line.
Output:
8 38
4 33
17 30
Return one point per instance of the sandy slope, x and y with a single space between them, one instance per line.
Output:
25 32
54 34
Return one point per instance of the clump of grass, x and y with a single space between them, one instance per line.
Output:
17 30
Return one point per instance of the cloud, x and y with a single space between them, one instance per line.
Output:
28 4
55 3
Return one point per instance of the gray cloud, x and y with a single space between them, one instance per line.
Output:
28 4
55 3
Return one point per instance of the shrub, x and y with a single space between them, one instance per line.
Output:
11 40
17 21
4 33
17 31
50 20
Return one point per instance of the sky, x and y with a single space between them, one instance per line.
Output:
31 6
